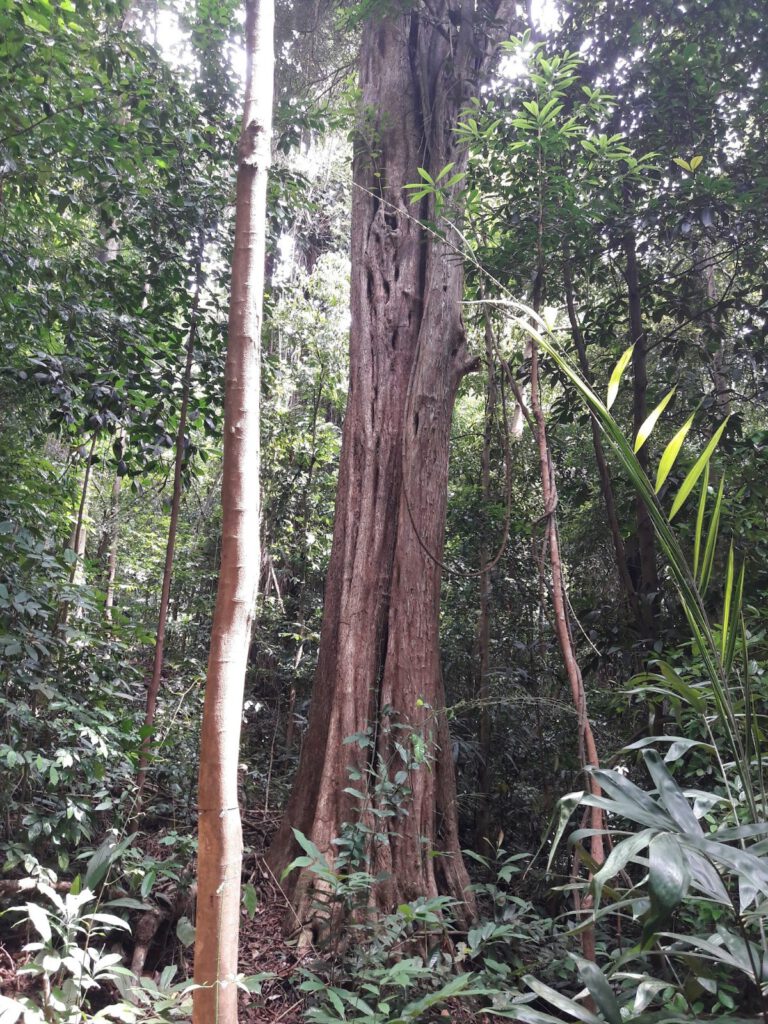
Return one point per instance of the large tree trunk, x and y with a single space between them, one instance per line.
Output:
379 661
219 828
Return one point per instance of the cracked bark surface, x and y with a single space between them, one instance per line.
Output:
379 646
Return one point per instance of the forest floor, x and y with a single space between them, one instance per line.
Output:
265 943
266 946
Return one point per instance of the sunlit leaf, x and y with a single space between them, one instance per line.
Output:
690 481
671 452
647 426
618 371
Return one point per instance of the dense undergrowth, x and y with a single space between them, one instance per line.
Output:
676 915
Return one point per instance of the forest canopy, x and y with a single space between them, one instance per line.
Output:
383 531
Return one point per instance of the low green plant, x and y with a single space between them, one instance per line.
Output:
70 956
686 880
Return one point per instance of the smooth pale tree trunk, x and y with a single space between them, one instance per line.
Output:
379 663
219 828
153 689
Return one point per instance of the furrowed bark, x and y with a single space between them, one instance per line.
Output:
379 664
219 827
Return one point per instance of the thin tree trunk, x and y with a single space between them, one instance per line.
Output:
219 829
109 540
109 597
648 581
604 473
713 330
586 740
587 746
79 536
482 688
173 525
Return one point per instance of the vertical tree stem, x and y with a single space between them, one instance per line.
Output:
219 828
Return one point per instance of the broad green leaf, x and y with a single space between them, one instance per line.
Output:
565 807
99 864
645 991
613 384
624 791
695 161
561 1002
690 481
39 917
599 989
668 881
681 163
671 452
647 426
670 794
621 854
250 899
185 931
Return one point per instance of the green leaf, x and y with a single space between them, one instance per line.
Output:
727 600
561 1002
690 481
566 805
671 452
697 538
147 882
647 426
709 547
39 917
670 794
734 622
621 854
599 989
681 163
99 864
254 982
185 931
695 161
250 899
613 384
668 882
